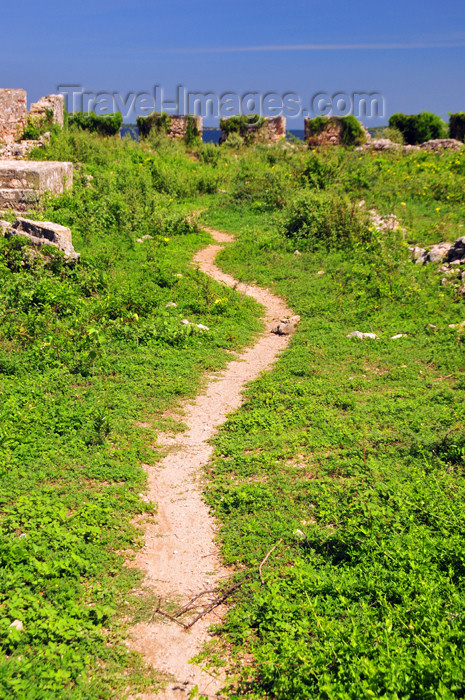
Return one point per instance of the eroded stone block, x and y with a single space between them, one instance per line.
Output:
13 114
41 233
51 176
53 105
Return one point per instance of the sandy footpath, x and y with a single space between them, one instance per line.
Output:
180 557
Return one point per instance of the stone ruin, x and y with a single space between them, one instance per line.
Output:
274 129
40 233
14 114
434 146
22 182
51 104
329 135
271 130
178 124
175 126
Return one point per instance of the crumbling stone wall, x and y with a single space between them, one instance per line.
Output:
274 129
178 124
53 105
267 130
330 135
13 114
329 132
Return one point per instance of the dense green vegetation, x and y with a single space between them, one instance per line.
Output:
89 354
345 464
418 128
36 126
157 121
105 124
457 126
350 455
242 129
352 133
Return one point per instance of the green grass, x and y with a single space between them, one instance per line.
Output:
348 456
425 190
88 355
352 453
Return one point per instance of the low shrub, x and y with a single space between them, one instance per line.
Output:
391 133
352 131
314 217
418 128
105 125
248 127
36 126
457 126
208 153
234 141
262 186
319 172
157 121
192 136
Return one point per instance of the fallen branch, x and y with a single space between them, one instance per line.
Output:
266 559
190 606
161 612
215 604
221 598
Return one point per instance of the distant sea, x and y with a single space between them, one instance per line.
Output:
209 135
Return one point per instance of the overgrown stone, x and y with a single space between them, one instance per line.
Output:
41 233
50 107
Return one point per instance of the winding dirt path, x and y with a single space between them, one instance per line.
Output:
180 556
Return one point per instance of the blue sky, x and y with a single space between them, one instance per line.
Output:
410 51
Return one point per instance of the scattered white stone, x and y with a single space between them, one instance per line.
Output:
320 272
399 335
185 322
286 326
202 327
171 304
442 144
439 252
362 336
384 223
144 238
297 252
17 625
419 255
457 325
